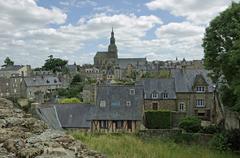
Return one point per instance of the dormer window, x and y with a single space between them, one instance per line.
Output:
128 103
132 92
154 95
55 81
48 81
165 95
102 104
200 89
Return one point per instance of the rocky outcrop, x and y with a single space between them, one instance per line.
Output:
22 136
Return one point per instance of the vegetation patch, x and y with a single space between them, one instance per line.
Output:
69 100
190 124
131 146
158 119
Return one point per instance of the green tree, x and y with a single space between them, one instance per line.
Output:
55 64
221 45
8 62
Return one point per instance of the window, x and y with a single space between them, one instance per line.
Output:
102 103
115 103
182 107
7 84
128 103
155 106
119 124
154 95
165 95
103 124
200 89
200 103
132 91
15 91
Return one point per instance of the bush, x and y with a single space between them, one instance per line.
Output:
212 129
69 100
190 124
158 119
220 142
233 139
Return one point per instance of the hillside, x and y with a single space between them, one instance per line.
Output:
23 136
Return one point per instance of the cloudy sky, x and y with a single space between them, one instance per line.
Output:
31 30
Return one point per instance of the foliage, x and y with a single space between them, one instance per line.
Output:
77 79
8 62
233 139
221 47
219 142
186 138
212 129
55 64
158 119
72 91
69 100
131 146
190 124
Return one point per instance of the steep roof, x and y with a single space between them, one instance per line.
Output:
185 78
42 81
74 115
66 115
159 86
12 68
116 97
101 54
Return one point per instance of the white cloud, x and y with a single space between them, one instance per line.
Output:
197 11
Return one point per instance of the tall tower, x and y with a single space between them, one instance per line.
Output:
112 48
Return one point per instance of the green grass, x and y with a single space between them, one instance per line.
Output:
131 146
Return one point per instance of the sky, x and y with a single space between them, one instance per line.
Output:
31 30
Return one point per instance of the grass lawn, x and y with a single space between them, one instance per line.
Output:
131 146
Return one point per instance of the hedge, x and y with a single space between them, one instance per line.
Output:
158 119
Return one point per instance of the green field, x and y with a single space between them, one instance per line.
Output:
131 146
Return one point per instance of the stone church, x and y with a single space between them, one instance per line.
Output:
107 59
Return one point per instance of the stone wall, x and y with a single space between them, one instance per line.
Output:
232 120
23 136
162 104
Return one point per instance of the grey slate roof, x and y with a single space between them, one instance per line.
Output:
66 115
42 81
136 62
74 115
159 86
12 68
48 115
116 97
184 79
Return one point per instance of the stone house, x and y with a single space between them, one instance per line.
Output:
40 88
159 94
93 73
195 92
11 87
118 109
17 70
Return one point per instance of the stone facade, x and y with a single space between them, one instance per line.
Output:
160 105
11 87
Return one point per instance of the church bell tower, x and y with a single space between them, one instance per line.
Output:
112 48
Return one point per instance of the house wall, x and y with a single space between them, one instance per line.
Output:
95 126
190 102
165 104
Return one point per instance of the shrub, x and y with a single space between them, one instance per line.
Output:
158 119
233 139
190 124
220 142
69 100
210 129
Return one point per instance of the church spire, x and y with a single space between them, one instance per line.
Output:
112 39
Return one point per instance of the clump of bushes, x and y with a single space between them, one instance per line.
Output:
227 140
158 119
212 129
190 124
69 100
